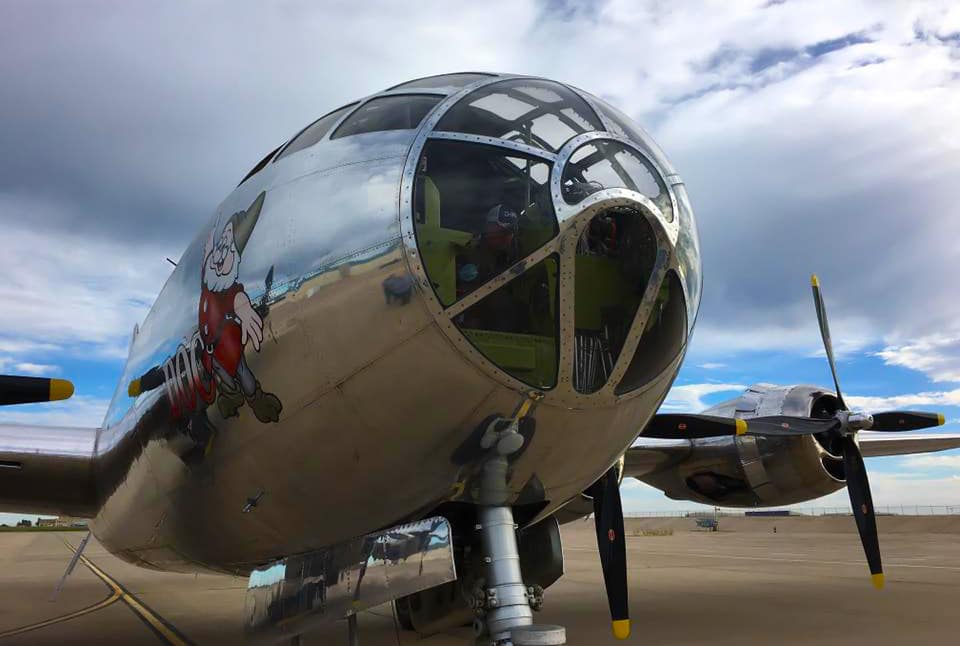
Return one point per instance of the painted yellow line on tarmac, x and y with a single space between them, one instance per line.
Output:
113 598
167 633
162 628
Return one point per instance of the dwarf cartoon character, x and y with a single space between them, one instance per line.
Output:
228 320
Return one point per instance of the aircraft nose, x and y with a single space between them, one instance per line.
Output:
554 277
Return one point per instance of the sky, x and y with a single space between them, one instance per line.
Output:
812 137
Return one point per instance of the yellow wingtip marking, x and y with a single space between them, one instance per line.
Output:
134 388
741 427
60 389
941 420
621 628
814 281
877 580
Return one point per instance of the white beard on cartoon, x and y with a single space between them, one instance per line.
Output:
213 280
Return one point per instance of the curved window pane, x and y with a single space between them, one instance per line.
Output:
609 164
316 131
539 113
478 210
443 81
401 112
516 326
260 165
688 252
615 258
622 125
663 337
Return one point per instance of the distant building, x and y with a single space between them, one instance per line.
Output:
25 523
47 522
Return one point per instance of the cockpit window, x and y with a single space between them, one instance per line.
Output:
478 210
609 164
442 81
615 257
260 165
313 133
399 112
539 113
663 337
516 326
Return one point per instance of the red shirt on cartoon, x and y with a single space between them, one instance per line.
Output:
220 328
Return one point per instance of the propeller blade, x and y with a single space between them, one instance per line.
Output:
31 390
785 425
611 543
905 420
825 335
670 426
862 503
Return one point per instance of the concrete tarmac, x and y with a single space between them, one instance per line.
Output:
805 584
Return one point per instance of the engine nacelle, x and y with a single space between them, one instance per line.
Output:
748 471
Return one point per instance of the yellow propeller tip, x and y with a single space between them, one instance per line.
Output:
741 427
814 280
60 389
877 580
621 628
134 388
941 420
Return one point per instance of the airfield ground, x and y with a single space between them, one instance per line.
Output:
805 584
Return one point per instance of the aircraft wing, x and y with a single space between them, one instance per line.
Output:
649 454
874 445
44 469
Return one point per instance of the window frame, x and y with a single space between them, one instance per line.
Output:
282 150
439 96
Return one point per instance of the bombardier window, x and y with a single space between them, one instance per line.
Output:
614 262
313 133
609 164
478 211
663 337
538 113
515 327
399 112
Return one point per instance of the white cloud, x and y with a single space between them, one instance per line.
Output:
689 397
68 293
36 369
896 489
932 462
712 365
79 410
879 404
937 356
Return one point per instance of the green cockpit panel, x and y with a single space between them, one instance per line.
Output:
478 210
663 338
615 257
517 327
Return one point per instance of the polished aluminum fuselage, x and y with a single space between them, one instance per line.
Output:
377 394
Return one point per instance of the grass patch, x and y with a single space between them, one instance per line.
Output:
653 532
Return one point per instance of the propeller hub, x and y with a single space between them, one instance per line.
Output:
853 422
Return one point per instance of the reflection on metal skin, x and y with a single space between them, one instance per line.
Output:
343 397
290 596
747 471
47 470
